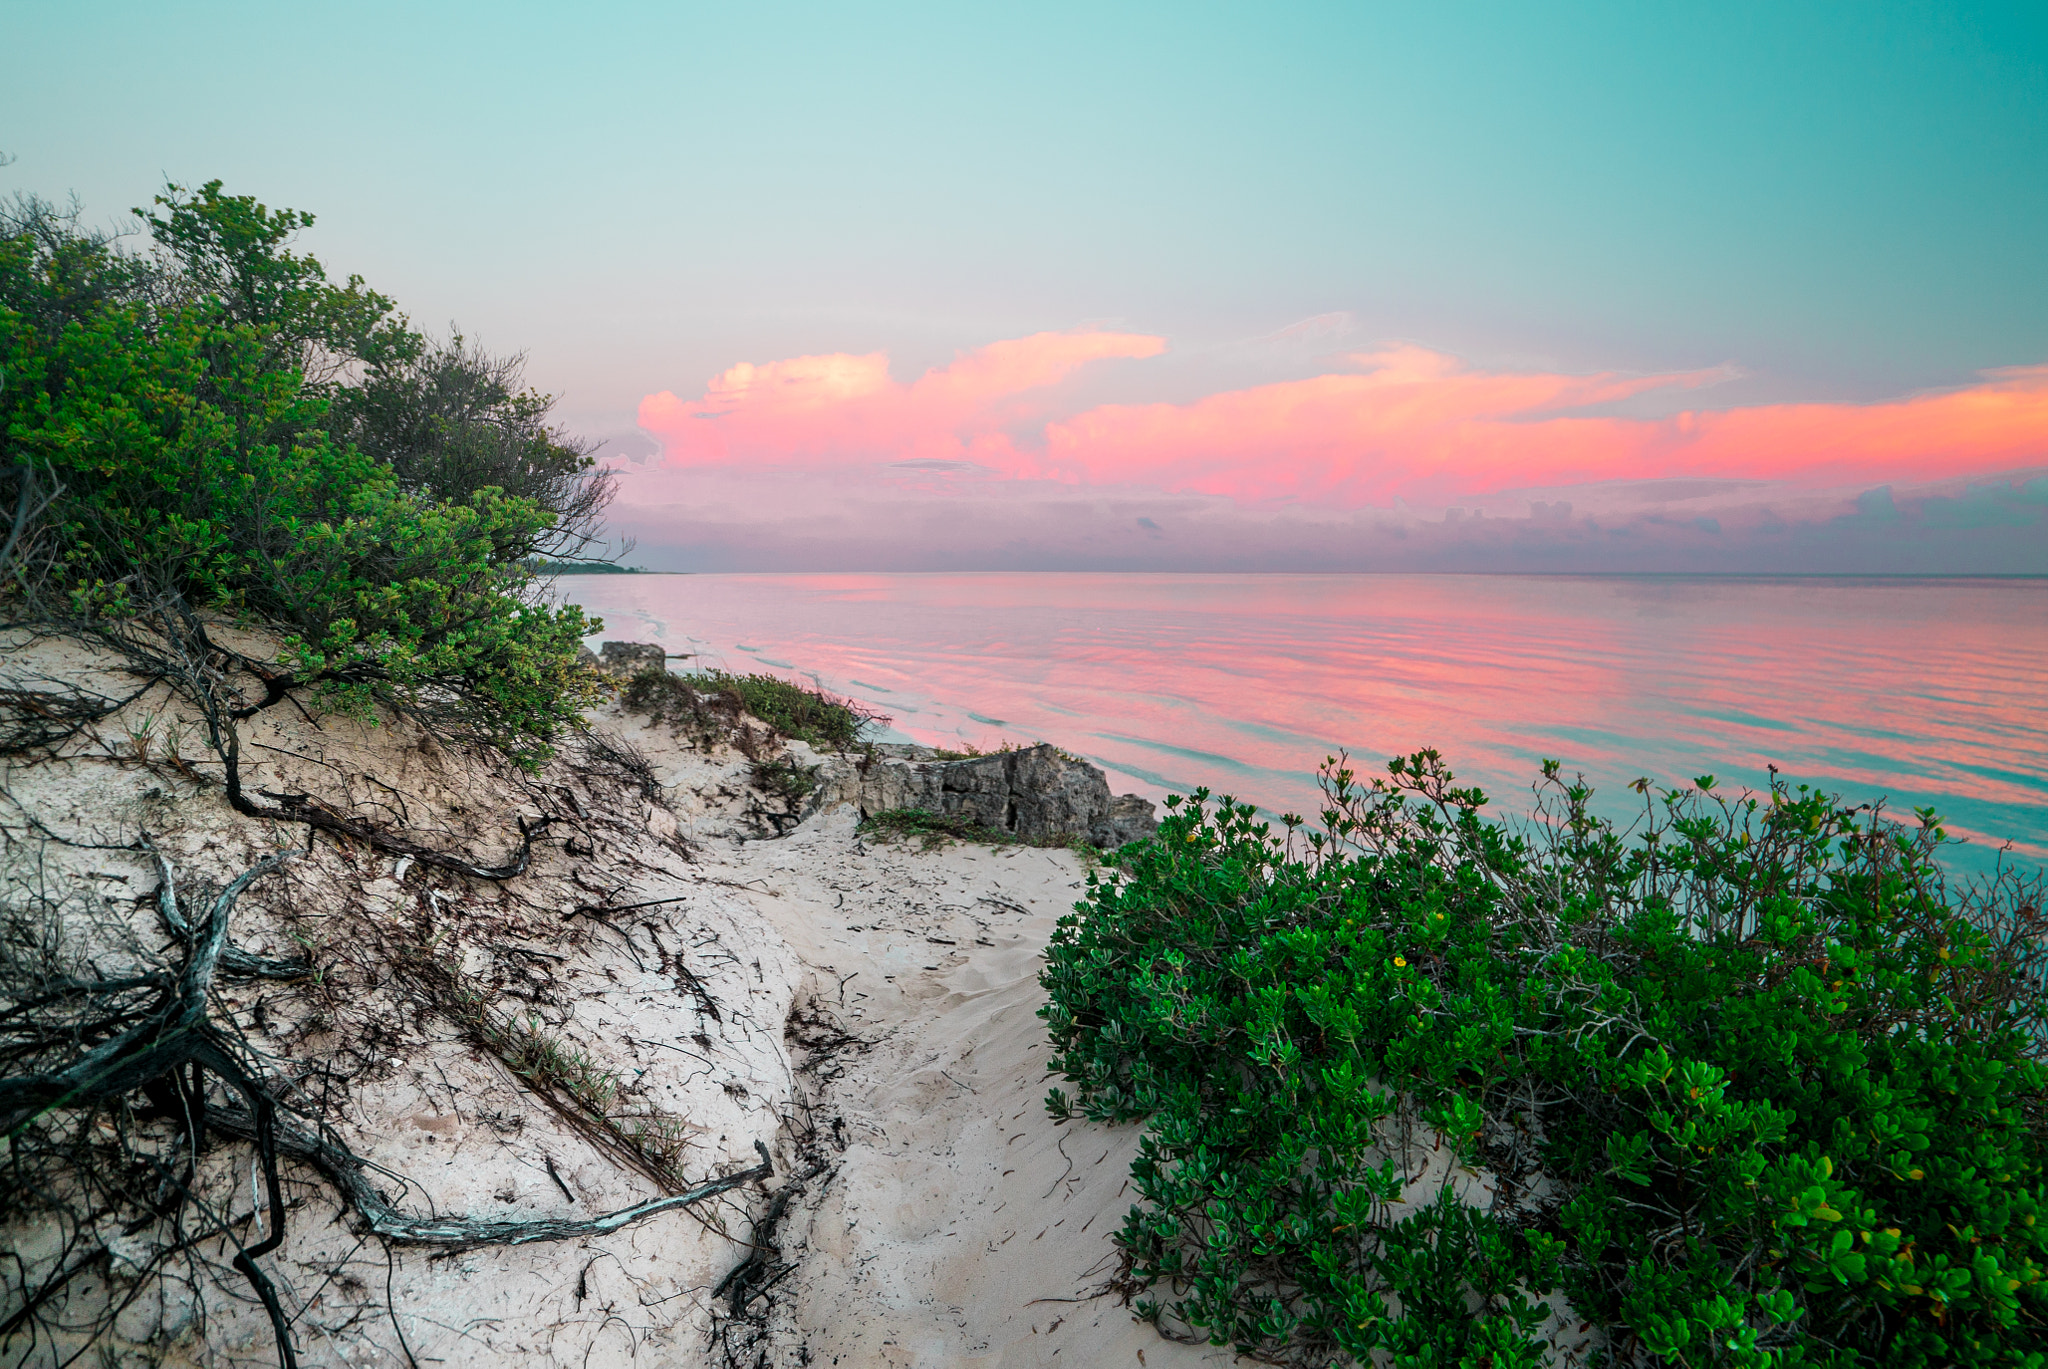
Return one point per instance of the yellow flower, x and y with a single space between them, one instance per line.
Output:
1400 963
1194 836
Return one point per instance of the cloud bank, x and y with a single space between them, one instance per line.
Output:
1391 456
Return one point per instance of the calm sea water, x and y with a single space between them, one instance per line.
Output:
1920 691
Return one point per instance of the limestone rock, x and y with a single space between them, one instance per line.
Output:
1130 819
630 658
1036 792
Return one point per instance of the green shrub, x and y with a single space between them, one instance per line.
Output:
180 404
709 704
785 778
793 710
1752 1085
451 418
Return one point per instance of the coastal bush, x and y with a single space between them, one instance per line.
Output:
809 715
1747 1084
711 699
785 778
450 418
969 751
182 415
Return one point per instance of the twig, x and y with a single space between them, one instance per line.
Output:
549 1160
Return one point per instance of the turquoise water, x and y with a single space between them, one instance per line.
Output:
1918 691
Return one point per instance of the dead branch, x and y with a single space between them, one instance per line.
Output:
165 1039
168 1039
233 959
33 720
35 493
304 808
746 1278
345 1170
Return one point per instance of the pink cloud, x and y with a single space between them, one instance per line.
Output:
1406 422
1417 425
826 409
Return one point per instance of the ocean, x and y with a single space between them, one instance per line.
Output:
1917 691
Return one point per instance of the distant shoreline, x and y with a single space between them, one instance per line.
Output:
599 568
587 568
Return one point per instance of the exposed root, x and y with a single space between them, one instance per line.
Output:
571 1087
36 720
605 754
110 1058
313 813
345 1170
157 1047
745 1327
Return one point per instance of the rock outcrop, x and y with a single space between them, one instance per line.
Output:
1036 792
626 658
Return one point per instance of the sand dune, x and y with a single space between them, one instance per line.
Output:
867 1009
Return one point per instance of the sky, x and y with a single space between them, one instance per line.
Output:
1360 286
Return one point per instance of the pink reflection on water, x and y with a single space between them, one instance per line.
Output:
1929 691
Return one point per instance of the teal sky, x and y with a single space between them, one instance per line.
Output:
1844 200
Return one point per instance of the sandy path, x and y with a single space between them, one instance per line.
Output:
963 1226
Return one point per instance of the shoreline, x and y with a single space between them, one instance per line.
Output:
1921 694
